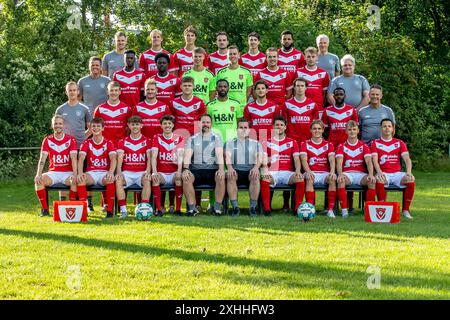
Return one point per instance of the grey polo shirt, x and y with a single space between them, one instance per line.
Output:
93 91
76 119
370 119
354 87
243 153
329 62
204 151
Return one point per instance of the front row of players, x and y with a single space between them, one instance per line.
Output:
167 159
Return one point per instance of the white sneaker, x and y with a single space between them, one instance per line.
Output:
171 209
105 208
330 214
124 215
407 215
344 213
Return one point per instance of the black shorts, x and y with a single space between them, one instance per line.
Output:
242 178
204 176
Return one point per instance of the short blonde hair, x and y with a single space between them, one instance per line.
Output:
57 116
71 83
311 50
319 122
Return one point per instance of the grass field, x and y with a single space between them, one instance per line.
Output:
209 257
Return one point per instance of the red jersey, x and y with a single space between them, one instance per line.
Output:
317 154
115 120
167 87
318 81
184 61
261 117
59 152
135 153
97 155
336 119
167 160
131 84
279 82
291 60
151 114
254 63
187 113
216 61
353 156
299 115
389 153
147 62
281 153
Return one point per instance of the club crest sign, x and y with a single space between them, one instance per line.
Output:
382 212
70 211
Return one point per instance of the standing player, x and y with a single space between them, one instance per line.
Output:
204 82
115 114
239 78
318 79
93 86
151 110
133 164
254 60
167 159
336 118
147 61
131 80
114 61
168 85
261 112
183 58
354 166
387 153
100 155
278 79
327 61
281 165
290 59
319 164
61 149
219 59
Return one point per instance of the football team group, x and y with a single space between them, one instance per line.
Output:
226 120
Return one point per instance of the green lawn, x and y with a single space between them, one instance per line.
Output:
207 257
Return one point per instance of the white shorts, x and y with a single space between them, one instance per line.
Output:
98 176
58 177
394 178
168 178
132 177
319 177
355 177
281 177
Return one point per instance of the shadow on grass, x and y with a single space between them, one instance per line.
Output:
288 272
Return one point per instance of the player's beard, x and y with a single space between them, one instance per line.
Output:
222 94
205 129
288 48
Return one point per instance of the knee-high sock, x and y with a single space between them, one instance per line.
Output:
265 195
381 193
370 195
331 199
408 195
42 196
104 198
342 196
286 197
178 197
299 193
157 197
110 196
72 195
163 198
311 197
171 198
82 193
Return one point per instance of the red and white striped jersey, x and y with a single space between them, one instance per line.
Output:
261 117
389 153
147 62
353 156
317 154
131 84
281 153
216 61
255 63
336 119
59 152
292 60
299 115
151 114
184 61
135 153
187 113
115 120
279 82
97 154
168 88
167 148
318 81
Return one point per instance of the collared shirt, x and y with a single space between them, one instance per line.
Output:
370 121
204 150
243 153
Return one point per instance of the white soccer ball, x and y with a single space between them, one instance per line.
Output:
143 211
306 211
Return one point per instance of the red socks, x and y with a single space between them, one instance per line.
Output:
381 193
122 202
73 195
331 199
370 195
299 193
342 196
265 195
178 197
42 196
408 195
311 197
82 193
157 197
110 196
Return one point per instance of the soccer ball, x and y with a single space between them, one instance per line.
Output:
306 211
143 211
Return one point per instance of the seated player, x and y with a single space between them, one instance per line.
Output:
319 164
167 159
354 166
101 163
281 165
61 149
243 159
133 164
387 153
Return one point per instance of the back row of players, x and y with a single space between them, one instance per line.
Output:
185 99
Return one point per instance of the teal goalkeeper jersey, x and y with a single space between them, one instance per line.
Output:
204 83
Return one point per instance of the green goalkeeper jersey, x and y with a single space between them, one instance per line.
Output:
224 117
239 80
204 83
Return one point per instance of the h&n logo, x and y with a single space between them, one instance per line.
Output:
70 213
381 213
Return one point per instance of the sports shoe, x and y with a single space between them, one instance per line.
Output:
44 213
330 214
171 209
178 213
217 212
90 206
159 213
109 214
267 213
344 213
105 208
252 212
192 213
285 209
407 215
124 215
163 210
236 212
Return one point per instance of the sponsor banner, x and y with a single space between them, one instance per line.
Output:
382 212
70 211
